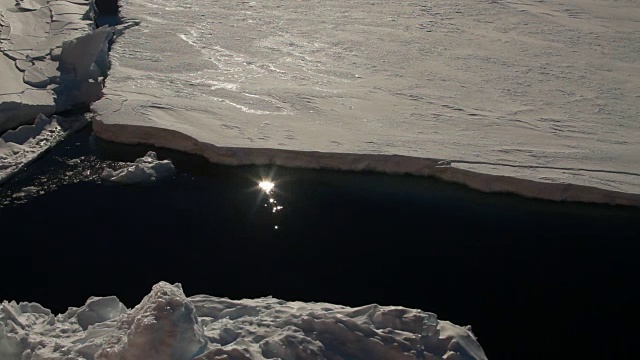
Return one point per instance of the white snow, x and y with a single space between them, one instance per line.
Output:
168 325
536 98
145 169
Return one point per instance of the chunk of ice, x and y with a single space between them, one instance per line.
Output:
143 170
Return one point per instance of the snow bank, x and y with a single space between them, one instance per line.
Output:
168 325
143 170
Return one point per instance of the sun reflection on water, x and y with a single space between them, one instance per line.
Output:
268 187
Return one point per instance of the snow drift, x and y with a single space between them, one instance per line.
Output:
168 325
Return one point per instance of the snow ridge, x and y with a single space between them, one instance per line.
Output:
168 325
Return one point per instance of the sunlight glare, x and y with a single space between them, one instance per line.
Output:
266 186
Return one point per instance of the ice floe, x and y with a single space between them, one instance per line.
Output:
145 169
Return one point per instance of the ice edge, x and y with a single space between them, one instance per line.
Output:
390 164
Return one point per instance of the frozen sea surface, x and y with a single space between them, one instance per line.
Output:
536 98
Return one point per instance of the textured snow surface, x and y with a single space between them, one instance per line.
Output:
168 325
537 98
145 169
52 58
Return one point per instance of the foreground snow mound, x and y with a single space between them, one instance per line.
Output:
145 169
163 326
168 325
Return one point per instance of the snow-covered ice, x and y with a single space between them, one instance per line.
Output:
53 58
169 325
536 98
145 169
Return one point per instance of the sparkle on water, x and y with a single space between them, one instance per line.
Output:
266 186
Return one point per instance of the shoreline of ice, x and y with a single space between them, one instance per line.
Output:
384 163
168 325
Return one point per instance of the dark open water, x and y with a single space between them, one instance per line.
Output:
536 280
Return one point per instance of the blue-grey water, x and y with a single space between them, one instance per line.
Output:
535 279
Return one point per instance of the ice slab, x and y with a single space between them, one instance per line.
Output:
30 5
536 98
11 77
21 108
39 50
169 325
144 170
